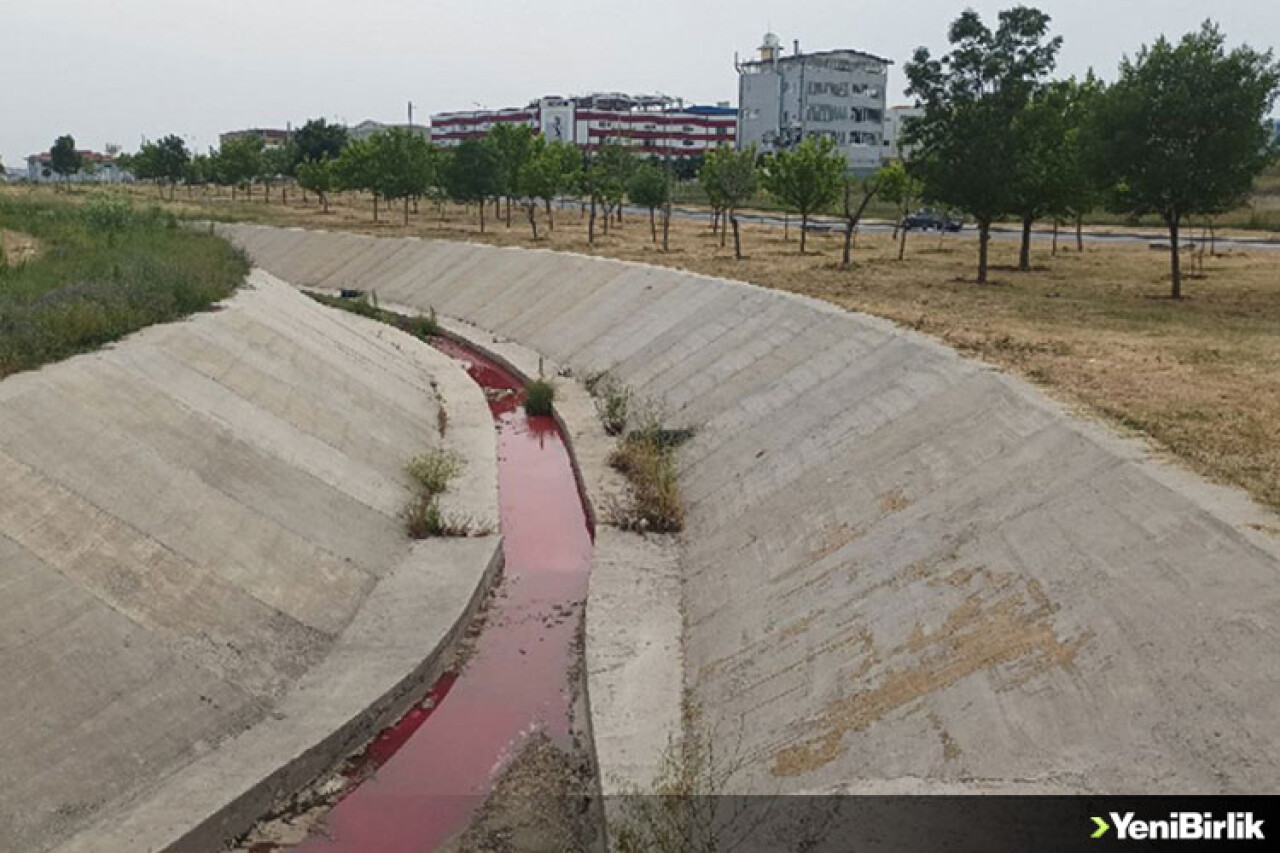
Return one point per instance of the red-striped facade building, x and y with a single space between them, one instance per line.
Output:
657 125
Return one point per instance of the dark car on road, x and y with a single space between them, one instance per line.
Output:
931 220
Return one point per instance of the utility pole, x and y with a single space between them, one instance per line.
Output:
411 116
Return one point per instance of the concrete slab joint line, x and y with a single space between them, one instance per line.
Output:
206 579
902 570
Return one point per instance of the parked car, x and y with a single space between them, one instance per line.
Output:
931 220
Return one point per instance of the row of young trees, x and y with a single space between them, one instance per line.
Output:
1180 134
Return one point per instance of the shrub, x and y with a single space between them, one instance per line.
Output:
539 395
649 466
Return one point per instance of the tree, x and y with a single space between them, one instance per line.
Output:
1181 132
238 161
733 177
317 140
604 180
710 184
472 174
513 145
965 147
806 178
564 162
275 162
164 162
319 177
64 159
903 190
1044 140
648 187
357 169
864 189
401 165
1081 194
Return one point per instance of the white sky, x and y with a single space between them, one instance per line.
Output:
116 70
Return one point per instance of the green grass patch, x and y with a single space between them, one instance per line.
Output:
106 269
421 326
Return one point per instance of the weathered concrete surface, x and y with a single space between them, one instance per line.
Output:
905 571
205 582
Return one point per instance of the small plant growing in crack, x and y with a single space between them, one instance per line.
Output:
613 401
432 472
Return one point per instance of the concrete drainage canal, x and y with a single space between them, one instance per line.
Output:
490 758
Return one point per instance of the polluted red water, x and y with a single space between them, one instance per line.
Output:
423 778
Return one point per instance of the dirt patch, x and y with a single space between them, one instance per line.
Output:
17 248
1004 625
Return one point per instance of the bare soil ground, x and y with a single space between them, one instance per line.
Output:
1200 376
17 248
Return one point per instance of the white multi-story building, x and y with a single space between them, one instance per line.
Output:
835 93
895 121
654 125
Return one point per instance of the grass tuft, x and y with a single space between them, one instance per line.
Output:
539 397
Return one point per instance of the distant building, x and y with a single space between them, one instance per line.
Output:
835 93
653 125
97 169
365 129
895 120
271 137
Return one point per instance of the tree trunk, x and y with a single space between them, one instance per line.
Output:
804 230
324 201
848 243
481 216
1055 237
1024 256
724 227
375 207
666 227
1175 254
406 210
508 211
737 240
591 223
786 227
551 222
653 225
984 238
902 243
1080 233
532 207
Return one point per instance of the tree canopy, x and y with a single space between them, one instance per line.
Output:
64 159
965 145
1182 133
806 178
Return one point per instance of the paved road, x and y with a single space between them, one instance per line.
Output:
997 233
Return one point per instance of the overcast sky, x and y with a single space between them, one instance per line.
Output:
117 71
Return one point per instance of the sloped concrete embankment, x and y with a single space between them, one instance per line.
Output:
207 595
903 571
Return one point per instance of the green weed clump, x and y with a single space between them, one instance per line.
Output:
432 472
539 397
106 269
646 457
421 326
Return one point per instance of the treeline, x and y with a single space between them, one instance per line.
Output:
1182 132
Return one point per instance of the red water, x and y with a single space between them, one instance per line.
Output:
429 772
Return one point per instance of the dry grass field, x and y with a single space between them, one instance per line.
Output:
1201 376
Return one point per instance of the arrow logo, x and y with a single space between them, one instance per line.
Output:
1103 826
